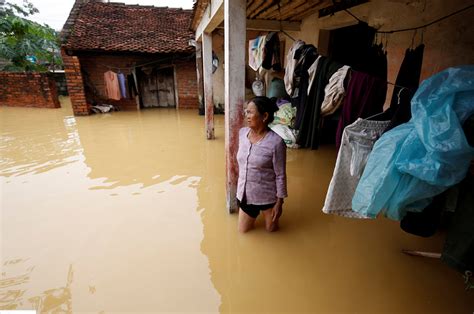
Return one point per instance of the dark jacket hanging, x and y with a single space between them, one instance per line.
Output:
409 77
310 124
271 57
305 55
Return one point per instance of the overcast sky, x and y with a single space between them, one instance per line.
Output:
55 12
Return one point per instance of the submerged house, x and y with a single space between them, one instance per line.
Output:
149 49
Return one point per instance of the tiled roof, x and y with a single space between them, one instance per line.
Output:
130 28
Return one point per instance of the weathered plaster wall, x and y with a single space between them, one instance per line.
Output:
218 76
447 43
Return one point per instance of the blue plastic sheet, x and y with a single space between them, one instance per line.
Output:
423 157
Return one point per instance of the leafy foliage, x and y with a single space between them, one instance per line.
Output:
22 39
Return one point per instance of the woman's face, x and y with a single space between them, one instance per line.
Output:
254 119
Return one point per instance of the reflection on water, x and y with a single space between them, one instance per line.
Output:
100 197
125 212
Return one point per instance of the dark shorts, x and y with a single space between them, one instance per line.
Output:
253 210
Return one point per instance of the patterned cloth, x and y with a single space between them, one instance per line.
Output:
357 142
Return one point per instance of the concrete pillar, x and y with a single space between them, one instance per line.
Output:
199 73
234 88
208 97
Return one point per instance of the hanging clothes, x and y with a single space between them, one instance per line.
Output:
123 89
312 73
365 97
271 59
427 223
357 142
334 92
409 78
423 157
310 113
458 251
112 88
376 63
256 52
305 56
132 88
290 66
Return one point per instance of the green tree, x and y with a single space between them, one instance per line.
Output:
28 45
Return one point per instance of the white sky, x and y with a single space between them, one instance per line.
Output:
55 12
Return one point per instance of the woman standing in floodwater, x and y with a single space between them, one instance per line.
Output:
262 167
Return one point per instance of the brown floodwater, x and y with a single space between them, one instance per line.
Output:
125 212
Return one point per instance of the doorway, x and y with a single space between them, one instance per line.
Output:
157 87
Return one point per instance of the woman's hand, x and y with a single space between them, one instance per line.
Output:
277 210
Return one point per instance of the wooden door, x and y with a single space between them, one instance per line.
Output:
157 87
165 86
147 83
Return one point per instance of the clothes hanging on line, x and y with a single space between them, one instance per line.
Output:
458 250
309 111
409 77
365 96
256 52
305 56
291 63
357 142
427 222
271 58
312 73
375 63
123 90
419 159
112 88
132 88
334 92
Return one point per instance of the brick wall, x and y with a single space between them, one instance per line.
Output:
186 79
95 65
20 89
75 84
88 69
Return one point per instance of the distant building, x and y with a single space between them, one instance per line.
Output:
149 45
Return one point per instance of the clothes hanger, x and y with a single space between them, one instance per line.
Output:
381 114
388 111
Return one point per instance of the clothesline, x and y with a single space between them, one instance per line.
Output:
173 58
417 27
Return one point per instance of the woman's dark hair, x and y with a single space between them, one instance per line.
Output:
265 104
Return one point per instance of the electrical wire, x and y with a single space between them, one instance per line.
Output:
418 27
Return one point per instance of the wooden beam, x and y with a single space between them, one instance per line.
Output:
208 92
284 9
272 25
302 15
255 7
300 9
212 17
261 9
271 10
234 90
